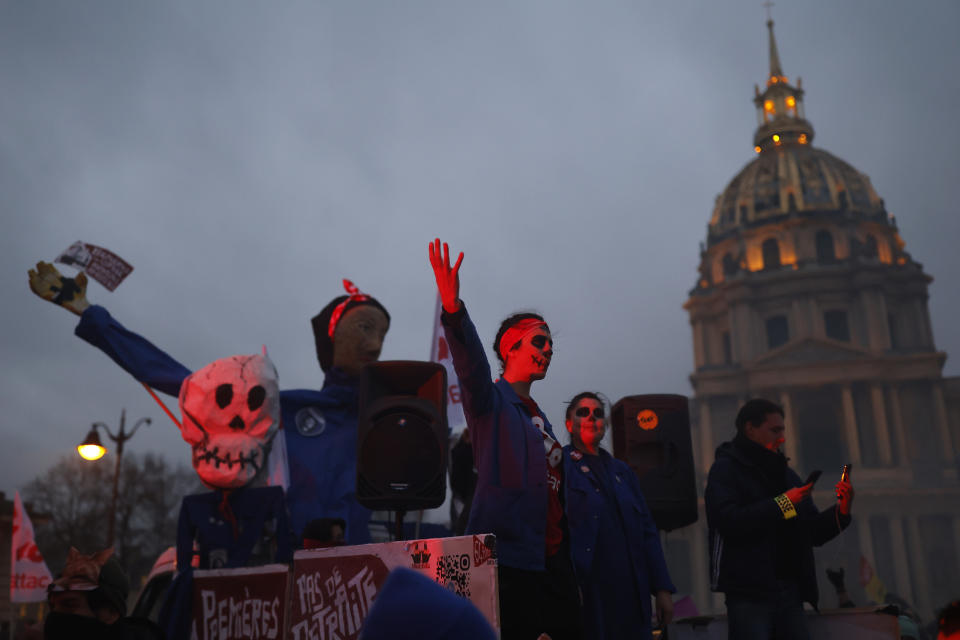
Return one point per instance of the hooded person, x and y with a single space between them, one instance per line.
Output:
412 606
88 600
316 458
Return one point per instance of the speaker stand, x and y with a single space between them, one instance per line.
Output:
398 531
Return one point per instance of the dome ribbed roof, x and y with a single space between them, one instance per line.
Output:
793 179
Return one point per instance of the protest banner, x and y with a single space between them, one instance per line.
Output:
333 588
240 604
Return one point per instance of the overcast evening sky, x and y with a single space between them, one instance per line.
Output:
246 156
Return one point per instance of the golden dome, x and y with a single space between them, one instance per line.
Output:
793 180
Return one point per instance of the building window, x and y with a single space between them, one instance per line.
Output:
825 249
836 325
870 247
777 331
819 428
771 254
730 266
727 348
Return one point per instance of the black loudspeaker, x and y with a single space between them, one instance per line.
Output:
402 436
651 433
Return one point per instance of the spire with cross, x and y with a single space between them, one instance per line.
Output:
780 105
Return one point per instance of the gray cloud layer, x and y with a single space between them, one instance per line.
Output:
247 156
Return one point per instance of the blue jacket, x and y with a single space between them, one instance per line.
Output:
260 515
749 537
320 427
511 495
588 492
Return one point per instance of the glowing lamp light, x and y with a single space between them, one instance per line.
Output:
757 149
776 137
803 138
90 448
791 101
768 106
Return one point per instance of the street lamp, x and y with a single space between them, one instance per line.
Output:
92 449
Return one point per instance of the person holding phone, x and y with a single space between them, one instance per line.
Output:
763 526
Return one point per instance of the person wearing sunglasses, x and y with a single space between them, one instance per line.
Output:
518 461
613 539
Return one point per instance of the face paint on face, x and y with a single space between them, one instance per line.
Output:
770 433
531 359
359 338
586 431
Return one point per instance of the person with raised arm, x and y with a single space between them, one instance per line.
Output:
319 426
518 459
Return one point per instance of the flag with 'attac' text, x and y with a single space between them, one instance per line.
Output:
29 575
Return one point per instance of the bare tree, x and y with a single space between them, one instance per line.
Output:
75 496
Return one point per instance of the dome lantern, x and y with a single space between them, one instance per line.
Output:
780 115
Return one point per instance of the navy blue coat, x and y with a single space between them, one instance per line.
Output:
587 495
511 495
320 427
747 528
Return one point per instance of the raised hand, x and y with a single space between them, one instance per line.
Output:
69 293
797 495
844 496
448 278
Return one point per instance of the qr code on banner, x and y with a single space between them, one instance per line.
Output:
453 572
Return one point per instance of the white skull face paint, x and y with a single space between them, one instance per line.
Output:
231 410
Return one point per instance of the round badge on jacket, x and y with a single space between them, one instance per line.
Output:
310 422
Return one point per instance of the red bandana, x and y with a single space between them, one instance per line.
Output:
354 296
518 332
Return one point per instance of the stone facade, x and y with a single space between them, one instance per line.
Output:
807 297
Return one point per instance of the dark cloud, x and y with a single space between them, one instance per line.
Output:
247 156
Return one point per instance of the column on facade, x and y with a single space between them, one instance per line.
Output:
956 534
801 318
706 437
919 566
699 345
865 538
881 427
746 335
701 566
901 564
792 438
943 429
850 424
899 434
875 310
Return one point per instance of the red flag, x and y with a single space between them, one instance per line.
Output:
29 575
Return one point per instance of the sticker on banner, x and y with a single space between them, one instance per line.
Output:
420 556
482 550
453 572
647 420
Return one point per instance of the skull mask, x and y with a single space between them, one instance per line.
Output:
231 411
